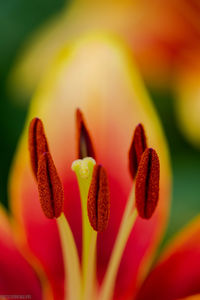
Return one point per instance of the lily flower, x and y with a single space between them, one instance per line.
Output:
163 35
75 221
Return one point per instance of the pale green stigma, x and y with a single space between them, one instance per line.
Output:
83 167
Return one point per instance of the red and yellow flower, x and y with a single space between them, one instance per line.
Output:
47 259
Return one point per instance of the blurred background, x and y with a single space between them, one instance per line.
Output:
165 53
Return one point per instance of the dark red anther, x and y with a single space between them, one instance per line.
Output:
50 187
37 143
137 148
99 199
147 184
85 146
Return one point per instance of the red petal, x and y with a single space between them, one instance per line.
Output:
177 274
16 275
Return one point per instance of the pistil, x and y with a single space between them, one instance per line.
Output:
84 170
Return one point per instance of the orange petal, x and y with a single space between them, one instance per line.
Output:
193 297
177 274
159 33
97 75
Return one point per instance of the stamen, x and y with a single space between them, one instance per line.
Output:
50 187
137 148
98 205
71 260
52 199
85 146
127 223
147 184
37 143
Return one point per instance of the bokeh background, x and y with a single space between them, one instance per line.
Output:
18 20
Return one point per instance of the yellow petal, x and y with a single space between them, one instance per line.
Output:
187 102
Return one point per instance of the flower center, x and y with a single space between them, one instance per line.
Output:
95 202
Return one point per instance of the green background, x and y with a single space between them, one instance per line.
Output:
18 19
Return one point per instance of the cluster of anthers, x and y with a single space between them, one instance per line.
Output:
95 200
